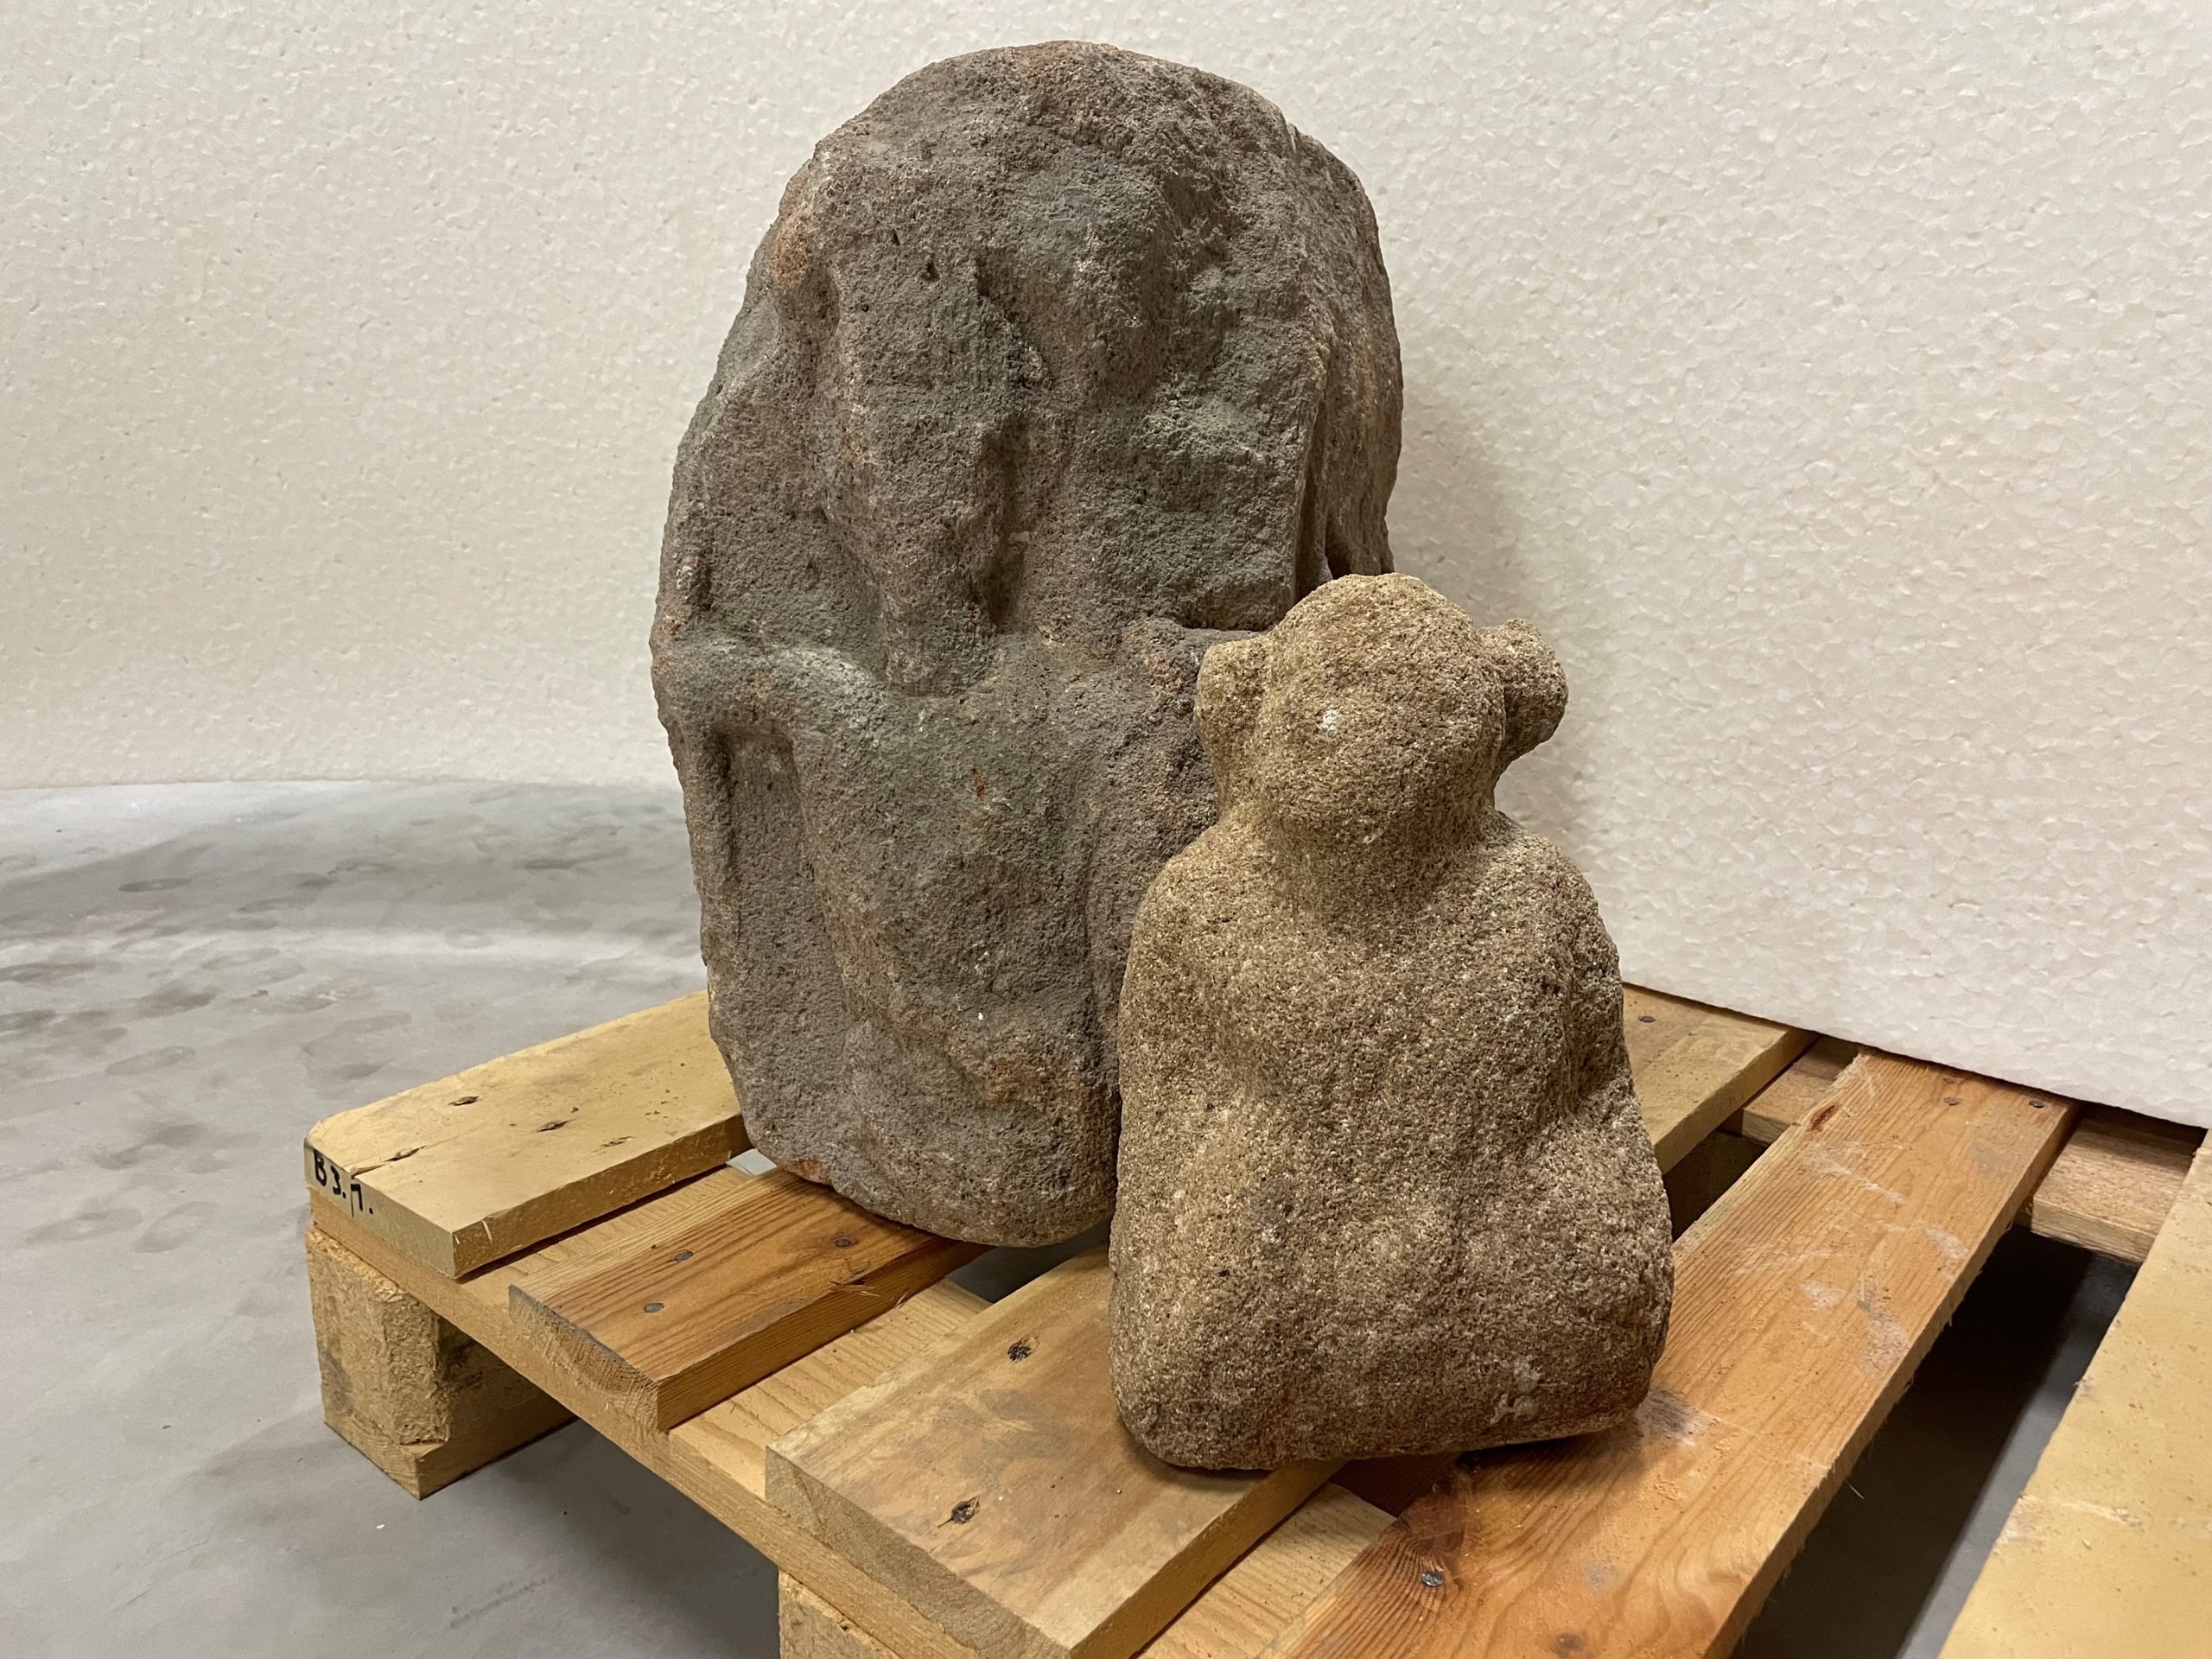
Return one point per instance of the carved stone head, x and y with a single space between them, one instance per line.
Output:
1375 709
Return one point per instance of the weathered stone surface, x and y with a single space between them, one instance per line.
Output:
1057 363
1384 1183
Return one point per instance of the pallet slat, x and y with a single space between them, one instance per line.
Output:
1275 1580
1232 1620
2115 1179
460 1173
772 1268
1795 1093
432 1184
991 1483
491 1160
715 1459
1694 1066
1032 1571
2108 1191
2109 1549
1803 1300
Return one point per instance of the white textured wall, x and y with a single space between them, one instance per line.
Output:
1833 382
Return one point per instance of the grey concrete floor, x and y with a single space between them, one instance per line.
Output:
191 975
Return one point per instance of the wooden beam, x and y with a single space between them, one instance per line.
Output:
769 1269
715 1458
2116 1178
2109 1188
2109 1549
1695 1066
1031 1570
991 1483
1803 1299
415 1396
1269 1587
491 1160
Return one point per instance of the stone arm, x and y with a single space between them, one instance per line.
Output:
730 707
1155 793
1171 1064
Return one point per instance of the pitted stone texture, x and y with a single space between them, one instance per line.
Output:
1384 1183
1057 365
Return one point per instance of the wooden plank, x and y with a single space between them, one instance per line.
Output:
475 1167
991 1483
1804 1085
2116 1178
1239 1612
1277 1579
715 1458
718 1457
773 1269
1803 1300
2109 1188
1695 1066
2109 1549
807 1627
415 1394
1029 1571
1288 1569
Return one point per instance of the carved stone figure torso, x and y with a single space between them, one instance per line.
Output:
1384 1183
1059 366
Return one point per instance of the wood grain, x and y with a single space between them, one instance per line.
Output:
774 1268
715 1458
2108 1191
1804 1085
2109 1549
807 1627
1804 1298
991 1483
1031 1571
418 1397
1240 1611
1275 1580
1695 1066
491 1160
2116 1178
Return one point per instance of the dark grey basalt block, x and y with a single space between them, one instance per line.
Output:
1384 1183
1059 364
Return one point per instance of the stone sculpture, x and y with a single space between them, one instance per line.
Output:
1057 365
1384 1184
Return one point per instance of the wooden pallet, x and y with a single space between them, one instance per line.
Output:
560 1232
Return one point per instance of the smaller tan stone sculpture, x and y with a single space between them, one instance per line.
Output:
1385 1187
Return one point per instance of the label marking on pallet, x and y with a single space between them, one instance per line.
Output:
348 1189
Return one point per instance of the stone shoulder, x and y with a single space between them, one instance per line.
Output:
1525 855
1206 882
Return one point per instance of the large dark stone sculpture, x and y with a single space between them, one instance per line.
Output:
1384 1184
1059 364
